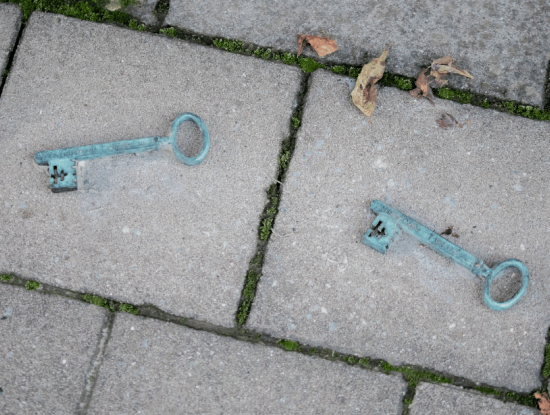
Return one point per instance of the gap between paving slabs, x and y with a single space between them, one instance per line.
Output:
411 373
93 10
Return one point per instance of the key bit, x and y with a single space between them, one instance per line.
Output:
389 221
62 162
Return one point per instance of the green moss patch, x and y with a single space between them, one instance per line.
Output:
453 94
288 345
6 278
229 45
309 65
32 285
546 369
248 294
396 81
84 10
128 308
169 31
100 302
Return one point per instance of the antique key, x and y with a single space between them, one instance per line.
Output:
62 163
387 224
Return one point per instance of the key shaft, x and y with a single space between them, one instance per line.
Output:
432 239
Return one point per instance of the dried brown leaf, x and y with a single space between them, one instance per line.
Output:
544 403
445 60
423 89
364 94
448 121
444 69
439 78
321 44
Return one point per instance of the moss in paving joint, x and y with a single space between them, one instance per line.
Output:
133 24
229 45
412 374
169 31
546 364
128 308
288 345
84 10
271 209
32 285
100 302
6 277
162 7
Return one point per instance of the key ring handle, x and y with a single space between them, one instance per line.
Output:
190 161
493 274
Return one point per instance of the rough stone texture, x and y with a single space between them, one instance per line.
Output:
10 21
506 47
449 400
143 10
46 348
145 229
152 366
489 180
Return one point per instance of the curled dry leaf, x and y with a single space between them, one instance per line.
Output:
448 121
422 88
321 44
544 403
439 70
364 94
442 66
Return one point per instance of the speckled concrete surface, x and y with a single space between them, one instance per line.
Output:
152 366
46 348
145 229
10 22
489 180
449 400
505 46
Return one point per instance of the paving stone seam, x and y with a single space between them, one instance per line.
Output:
122 19
11 55
546 95
394 80
271 208
390 79
412 374
93 371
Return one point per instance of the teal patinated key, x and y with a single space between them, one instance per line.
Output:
62 163
389 221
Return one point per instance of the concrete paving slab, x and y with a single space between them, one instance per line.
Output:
10 22
506 47
152 366
489 181
46 349
147 228
449 400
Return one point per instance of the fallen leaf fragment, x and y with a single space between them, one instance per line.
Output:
448 121
364 94
439 70
544 403
422 88
442 66
321 44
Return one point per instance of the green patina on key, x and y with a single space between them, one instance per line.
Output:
387 224
62 163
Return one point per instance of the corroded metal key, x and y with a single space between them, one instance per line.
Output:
62 163
387 224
